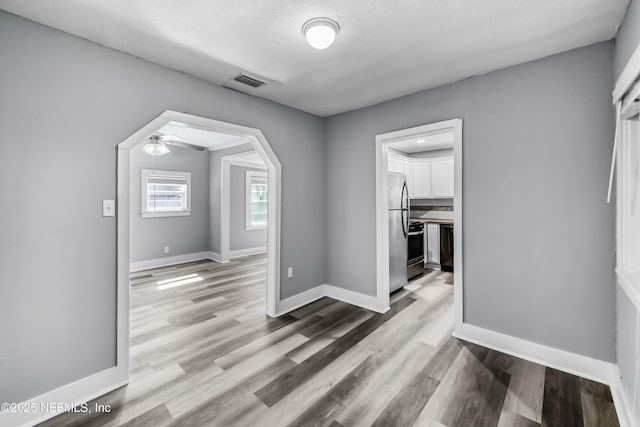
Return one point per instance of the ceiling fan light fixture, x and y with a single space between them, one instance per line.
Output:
320 32
154 147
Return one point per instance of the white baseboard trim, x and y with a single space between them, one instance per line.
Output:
289 304
624 409
354 298
246 252
217 257
75 393
171 260
586 367
583 366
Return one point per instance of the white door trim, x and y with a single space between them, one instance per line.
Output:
382 215
225 200
261 145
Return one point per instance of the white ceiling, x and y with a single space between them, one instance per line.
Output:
384 49
202 137
250 157
424 142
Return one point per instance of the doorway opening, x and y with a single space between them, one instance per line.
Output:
266 209
406 161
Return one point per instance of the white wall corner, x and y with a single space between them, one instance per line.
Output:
355 298
287 305
624 409
217 257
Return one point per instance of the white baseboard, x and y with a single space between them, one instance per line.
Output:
246 252
354 298
563 360
75 393
583 366
624 409
217 257
289 304
171 260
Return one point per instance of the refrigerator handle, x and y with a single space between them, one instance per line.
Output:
405 223
403 198
408 205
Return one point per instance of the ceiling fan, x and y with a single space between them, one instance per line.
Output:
156 144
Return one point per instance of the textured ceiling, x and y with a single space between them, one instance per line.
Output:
384 49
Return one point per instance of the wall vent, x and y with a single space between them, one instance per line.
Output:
250 81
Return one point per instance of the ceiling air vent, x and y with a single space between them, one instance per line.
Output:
250 81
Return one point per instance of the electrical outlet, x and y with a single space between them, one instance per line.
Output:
108 208
166 249
290 272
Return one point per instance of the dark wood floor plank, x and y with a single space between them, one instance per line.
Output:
596 389
562 404
597 412
598 409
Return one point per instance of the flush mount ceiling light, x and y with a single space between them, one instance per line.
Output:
155 147
420 141
320 32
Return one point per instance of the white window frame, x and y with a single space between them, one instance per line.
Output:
145 174
250 176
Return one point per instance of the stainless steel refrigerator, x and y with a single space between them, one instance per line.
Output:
398 230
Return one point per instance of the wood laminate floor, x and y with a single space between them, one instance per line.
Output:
204 354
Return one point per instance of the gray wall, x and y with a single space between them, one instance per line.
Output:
627 41
183 234
66 103
538 235
239 237
628 37
215 192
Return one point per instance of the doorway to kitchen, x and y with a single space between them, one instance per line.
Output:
422 166
267 213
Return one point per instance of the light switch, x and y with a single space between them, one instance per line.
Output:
290 272
108 208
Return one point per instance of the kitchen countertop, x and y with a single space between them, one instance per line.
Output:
433 220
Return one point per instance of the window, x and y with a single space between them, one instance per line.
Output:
165 193
627 151
256 201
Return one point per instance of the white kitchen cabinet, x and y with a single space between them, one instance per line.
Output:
421 179
427 178
442 178
432 243
408 167
403 165
396 164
